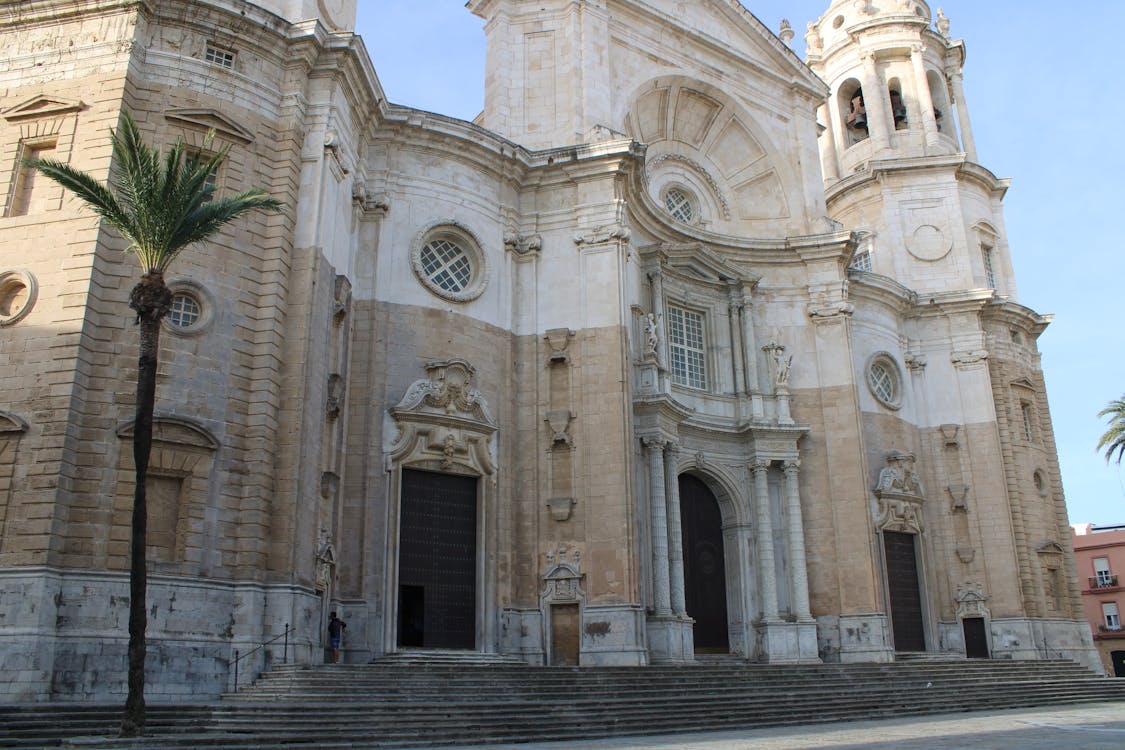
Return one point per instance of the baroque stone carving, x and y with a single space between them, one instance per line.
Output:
335 397
561 507
521 244
325 561
900 495
557 341
602 235
559 421
444 420
971 601
563 579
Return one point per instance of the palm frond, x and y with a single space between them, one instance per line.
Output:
1113 440
159 204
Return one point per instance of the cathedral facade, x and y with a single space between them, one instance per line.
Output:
684 346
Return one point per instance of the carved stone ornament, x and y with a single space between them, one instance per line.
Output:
971 601
602 235
559 421
557 341
563 580
329 483
900 495
829 301
335 395
522 244
325 561
959 494
442 420
10 424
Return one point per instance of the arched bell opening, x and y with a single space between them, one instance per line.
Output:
897 104
853 111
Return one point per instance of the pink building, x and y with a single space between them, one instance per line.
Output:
1099 553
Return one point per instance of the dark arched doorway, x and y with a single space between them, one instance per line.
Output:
705 584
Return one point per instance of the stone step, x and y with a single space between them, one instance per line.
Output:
435 704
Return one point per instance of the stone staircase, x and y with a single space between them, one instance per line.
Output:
416 700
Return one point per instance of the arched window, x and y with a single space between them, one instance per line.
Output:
898 104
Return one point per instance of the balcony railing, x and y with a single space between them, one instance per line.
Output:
1109 628
1103 582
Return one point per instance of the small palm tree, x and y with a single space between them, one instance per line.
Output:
1113 440
160 206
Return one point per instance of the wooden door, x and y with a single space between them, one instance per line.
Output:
976 639
705 582
564 635
905 591
437 568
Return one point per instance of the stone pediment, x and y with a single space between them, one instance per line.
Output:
446 396
41 106
1023 383
209 119
10 423
174 431
443 422
695 262
900 495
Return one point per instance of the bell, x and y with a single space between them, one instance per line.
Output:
857 120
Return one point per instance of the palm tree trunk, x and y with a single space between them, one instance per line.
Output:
151 299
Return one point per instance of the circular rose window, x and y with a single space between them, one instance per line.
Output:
447 259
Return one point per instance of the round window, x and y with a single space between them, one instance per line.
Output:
679 204
191 309
884 380
185 311
17 295
446 258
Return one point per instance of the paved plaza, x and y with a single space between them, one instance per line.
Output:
1091 727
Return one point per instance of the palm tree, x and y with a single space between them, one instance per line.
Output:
1114 438
160 206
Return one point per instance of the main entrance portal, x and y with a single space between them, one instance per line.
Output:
437 561
905 592
705 585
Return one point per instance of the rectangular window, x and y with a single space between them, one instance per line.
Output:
989 274
219 56
687 347
1112 618
29 193
861 261
1025 411
203 157
1102 576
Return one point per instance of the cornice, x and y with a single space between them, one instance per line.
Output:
1013 313
958 164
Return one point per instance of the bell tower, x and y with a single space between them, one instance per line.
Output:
897 149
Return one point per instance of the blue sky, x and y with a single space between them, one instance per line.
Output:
1047 102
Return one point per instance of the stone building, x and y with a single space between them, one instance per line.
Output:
1099 553
682 346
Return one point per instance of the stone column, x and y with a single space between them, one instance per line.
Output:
675 530
797 562
830 157
750 357
767 572
877 104
963 123
655 449
736 347
925 98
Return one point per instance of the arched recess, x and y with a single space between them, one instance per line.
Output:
739 587
942 105
176 491
442 481
12 428
703 140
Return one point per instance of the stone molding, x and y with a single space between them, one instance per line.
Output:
444 419
175 431
899 494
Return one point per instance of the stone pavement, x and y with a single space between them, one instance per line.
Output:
1099 726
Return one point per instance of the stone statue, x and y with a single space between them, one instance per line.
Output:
942 23
783 366
652 336
813 42
786 33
